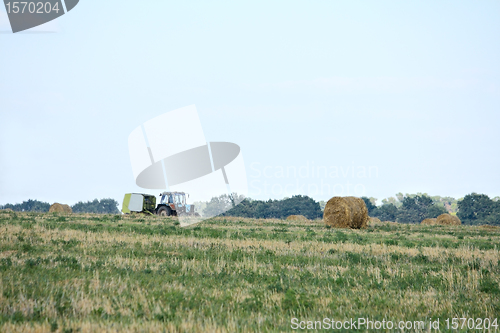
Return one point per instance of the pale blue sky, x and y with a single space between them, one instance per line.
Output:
410 89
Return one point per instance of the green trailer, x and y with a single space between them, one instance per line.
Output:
171 204
139 203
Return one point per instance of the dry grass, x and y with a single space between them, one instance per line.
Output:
140 274
300 218
374 221
432 221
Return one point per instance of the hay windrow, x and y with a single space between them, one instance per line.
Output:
491 227
297 218
432 221
346 212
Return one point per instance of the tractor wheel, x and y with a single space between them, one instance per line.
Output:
164 211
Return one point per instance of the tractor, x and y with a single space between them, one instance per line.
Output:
171 204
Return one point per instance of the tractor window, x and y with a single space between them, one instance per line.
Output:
179 199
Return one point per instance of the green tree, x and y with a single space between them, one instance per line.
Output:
417 208
300 205
246 208
29 206
392 200
369 205
447 202
386 212
103 206
218 205
296 205
435 210
479 209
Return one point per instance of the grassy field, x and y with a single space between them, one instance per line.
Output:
95 273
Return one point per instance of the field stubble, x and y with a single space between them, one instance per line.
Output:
92 273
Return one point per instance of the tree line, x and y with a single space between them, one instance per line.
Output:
473 209
479 209
103 206
279 209
413 209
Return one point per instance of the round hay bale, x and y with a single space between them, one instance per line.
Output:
58 208
432 221
7 210
447 219
301 218
67 209
374 220
346 212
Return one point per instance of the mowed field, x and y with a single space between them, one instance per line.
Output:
97 273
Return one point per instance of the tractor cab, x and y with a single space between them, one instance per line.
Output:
166 198
174 203
178 199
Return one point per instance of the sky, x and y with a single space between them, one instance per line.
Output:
325 98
